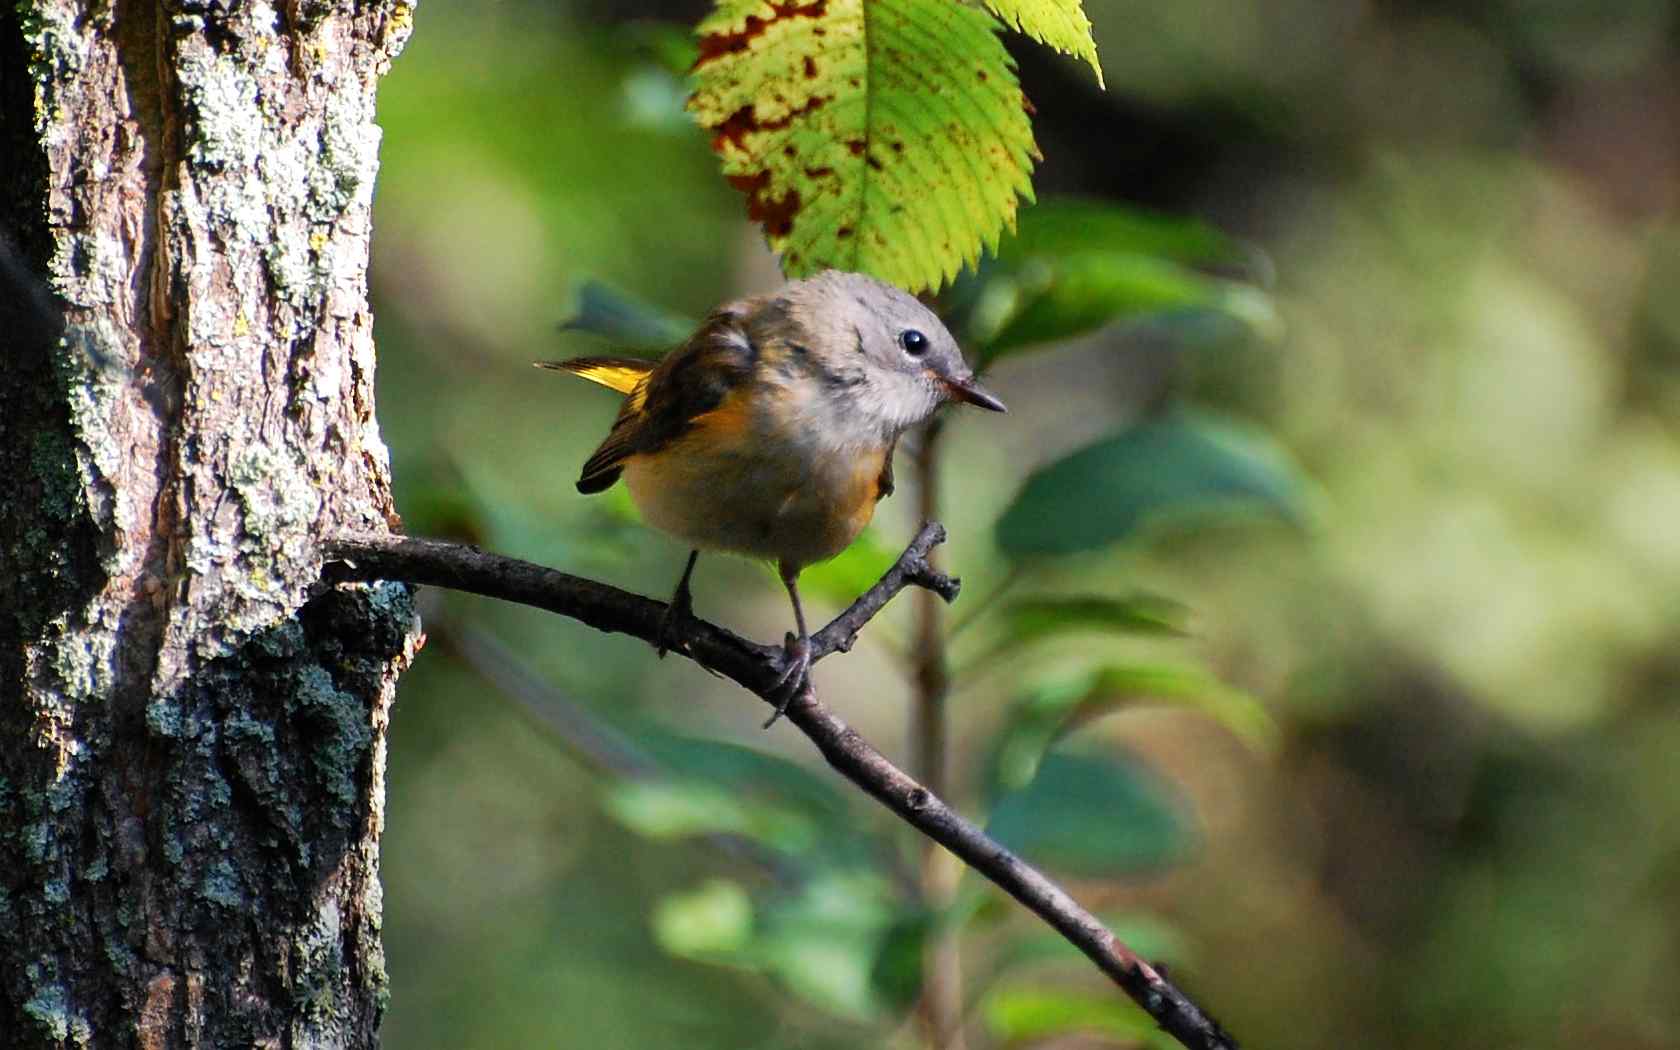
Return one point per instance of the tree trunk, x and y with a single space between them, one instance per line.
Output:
192 727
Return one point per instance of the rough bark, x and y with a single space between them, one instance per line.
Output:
191 727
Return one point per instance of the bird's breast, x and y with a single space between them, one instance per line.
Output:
759 480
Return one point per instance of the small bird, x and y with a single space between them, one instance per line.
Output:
770 432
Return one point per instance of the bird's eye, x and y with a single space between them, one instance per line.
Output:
915 343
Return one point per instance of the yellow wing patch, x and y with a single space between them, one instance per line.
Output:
627 375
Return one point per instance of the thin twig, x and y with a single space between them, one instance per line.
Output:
755 666
930 676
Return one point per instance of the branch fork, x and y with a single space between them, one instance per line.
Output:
371 556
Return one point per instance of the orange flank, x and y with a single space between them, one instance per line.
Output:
728 421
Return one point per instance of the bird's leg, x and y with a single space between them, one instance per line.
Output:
679 612
796 660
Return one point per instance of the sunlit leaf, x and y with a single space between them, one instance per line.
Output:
884 136
624 320
1176 464
711 922
1021 1015
1059 23
1092 814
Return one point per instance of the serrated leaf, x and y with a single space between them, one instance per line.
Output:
884 136
625 320
1059 23
1092 814
1176 464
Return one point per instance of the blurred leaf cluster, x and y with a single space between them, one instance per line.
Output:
1396 779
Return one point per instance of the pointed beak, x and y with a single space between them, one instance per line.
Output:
966 389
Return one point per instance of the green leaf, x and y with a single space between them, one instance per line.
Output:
884 136
1074 294
840 941
1052 708
1030 619
745 772
674 809
625 320
823 944
1025 1014
713 787
1192 688
854 570
1059 23
897 971
1074 266
712 922
1093 814
1061 226
1176 464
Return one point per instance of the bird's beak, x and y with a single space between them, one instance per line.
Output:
966 389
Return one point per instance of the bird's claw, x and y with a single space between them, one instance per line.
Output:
795 677
677 616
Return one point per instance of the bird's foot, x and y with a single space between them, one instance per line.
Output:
795 677
678 614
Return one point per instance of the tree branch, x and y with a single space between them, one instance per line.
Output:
367 557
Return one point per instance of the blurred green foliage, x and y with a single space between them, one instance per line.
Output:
1402 779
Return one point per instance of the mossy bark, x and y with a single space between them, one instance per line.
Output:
192 727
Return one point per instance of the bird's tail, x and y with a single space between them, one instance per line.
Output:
623 374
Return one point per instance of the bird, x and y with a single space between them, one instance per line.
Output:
770 431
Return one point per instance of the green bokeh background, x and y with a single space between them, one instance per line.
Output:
1468 834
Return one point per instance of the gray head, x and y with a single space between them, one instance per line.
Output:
882 341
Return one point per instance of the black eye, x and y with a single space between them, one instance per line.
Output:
915 343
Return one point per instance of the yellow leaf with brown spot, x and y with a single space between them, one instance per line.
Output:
888 137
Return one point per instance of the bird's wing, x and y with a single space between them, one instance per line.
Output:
623 374
688 383
884 483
